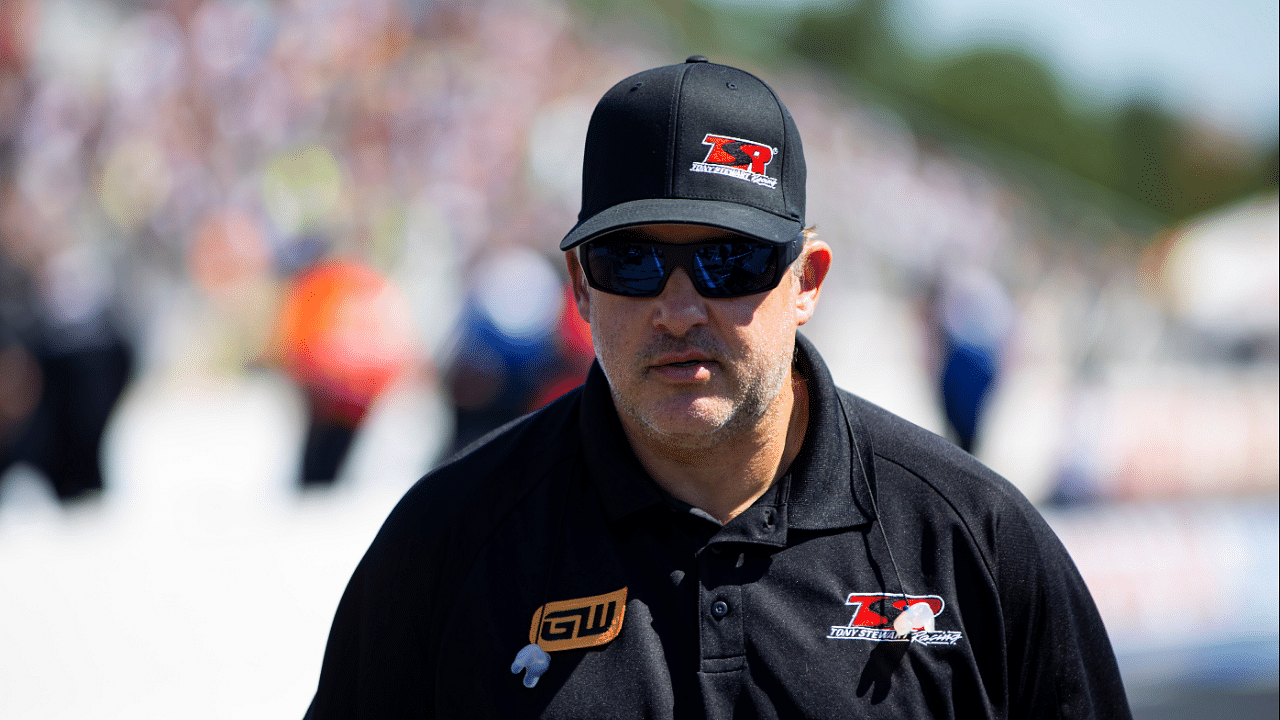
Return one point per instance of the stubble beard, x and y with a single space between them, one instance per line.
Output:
716 418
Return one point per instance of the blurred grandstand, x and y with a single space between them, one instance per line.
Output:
168 172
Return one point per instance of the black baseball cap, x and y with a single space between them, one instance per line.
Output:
696 143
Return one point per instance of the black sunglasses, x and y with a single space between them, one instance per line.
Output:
725 268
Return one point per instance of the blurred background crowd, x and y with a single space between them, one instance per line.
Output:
262 264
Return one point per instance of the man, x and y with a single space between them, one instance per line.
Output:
708 527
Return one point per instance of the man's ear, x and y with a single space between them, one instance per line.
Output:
814 261
578 280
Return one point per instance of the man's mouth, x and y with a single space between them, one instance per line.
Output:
679 358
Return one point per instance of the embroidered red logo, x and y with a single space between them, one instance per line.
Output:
735 157
876 618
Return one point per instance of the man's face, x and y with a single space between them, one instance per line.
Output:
689 370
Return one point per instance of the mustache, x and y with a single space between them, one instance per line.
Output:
697 338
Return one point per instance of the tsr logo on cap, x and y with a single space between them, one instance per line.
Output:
735 157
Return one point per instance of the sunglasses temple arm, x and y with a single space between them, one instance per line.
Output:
792 250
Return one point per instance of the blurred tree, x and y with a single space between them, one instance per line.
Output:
1007 95
1142 140
1004 98
856 39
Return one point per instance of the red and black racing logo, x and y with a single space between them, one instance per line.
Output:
734 152
735 157
874 615
878 610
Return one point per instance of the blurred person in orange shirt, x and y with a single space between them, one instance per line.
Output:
345 336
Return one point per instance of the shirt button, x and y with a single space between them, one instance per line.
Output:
719 608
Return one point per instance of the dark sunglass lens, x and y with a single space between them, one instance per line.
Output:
736 269
625 268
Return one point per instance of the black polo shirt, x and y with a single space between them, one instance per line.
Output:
550 530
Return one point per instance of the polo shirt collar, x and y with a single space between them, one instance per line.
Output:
824 488
828 490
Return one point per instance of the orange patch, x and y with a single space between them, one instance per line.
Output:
581 623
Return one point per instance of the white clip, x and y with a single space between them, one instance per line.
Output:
534 661
917 617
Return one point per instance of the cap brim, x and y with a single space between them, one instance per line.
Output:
734 217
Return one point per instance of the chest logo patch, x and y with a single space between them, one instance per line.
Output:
581 623
893 617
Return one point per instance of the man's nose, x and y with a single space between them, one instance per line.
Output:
679 307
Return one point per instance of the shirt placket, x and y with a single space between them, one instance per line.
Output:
722 612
